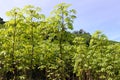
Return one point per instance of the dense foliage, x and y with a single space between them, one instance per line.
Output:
33 47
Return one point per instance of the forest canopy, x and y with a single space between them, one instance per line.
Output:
36 47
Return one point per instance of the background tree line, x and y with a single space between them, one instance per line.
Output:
36 47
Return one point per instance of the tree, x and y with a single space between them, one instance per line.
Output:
32 21
83 34
1 21
95 61
10 43
59 22
22 29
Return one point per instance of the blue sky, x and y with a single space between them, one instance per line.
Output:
92 15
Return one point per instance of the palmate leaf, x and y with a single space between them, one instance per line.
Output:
73 16
70 26
73 11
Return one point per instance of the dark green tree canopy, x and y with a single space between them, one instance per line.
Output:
1 21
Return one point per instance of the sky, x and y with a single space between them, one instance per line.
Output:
92 15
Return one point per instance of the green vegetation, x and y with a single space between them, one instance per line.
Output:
33 47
